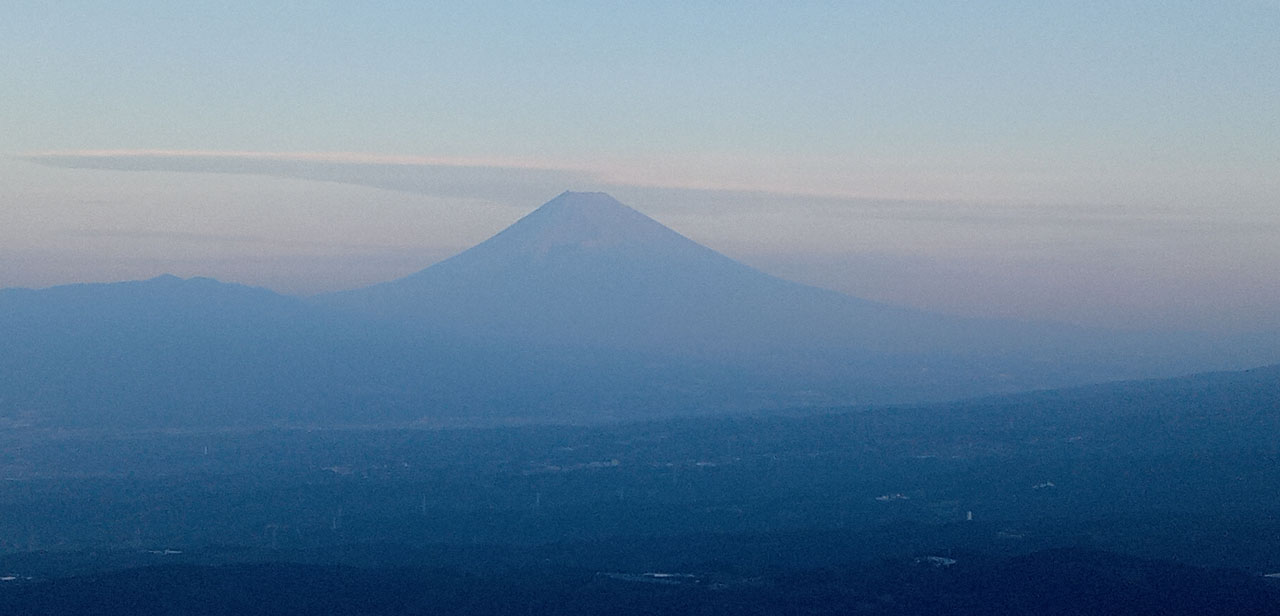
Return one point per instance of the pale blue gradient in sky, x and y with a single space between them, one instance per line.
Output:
1165 112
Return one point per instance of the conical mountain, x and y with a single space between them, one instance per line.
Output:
585 308
586 270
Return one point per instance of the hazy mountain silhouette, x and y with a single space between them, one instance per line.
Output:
584 270
165 351
584 309
170 352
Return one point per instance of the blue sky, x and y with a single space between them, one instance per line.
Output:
1093 162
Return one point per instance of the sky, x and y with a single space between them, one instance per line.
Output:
1109 163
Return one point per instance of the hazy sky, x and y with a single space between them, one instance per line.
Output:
1109 163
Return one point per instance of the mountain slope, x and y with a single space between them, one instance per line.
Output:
583 310
584 270
163 351
168 352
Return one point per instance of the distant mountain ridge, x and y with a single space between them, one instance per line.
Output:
585 309
168 352
582 269
586 269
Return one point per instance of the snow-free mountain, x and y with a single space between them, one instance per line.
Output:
583 310
585 270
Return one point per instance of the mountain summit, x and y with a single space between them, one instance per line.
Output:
584 221
586 270
584 308
575 225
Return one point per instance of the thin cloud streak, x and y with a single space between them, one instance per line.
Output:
1082 263
331 157
519 183
439 176
454 178
215 238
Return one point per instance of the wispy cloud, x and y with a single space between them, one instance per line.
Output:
501 177
222 239
331 157
524 183
995 256
457 178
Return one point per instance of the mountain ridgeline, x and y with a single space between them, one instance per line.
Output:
583 310
586 270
